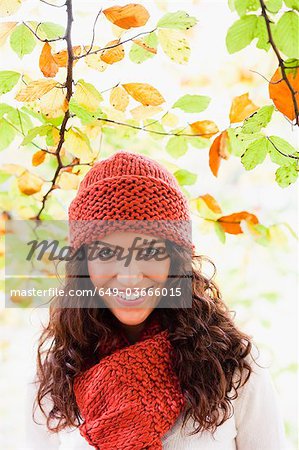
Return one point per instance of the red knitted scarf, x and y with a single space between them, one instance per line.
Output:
132 397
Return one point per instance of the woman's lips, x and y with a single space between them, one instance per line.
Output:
135 302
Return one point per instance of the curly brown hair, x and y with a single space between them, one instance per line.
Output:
209 349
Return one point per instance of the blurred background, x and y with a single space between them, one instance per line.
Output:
258 282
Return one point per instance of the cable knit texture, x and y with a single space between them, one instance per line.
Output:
132 397
129 191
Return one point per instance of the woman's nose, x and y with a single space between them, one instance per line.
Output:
129 275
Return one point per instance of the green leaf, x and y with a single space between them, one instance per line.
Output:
242 6
286 34
85 116
8 79
175 45
284 147
139 54
239 142
177 146
262 34
220 232
198 142
50 30
241 33
255 153
185 177
4 176
258 120
293 4
154 126
4 108
22 41
273 6
286 175
192 103
21 120
7 134
36 131
179 20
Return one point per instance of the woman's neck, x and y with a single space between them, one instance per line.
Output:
133 331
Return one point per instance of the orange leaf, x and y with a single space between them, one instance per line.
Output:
206 128
144 93
128 16
241 108
29 183
211 203
113 55
145 46
217 151
281 94
231 223
47 63
61 58
38 158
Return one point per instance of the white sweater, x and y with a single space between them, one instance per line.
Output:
256 424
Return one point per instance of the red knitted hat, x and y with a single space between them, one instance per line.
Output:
121 191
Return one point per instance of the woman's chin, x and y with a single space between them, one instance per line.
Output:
131 316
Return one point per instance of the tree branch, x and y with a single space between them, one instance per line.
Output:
280 60
39 38
93 32
162 133
279 151
114 45
69 88
51 4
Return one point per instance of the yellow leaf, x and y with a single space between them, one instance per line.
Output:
114 54
54 103
94 61
241 108
174 45
47 63
76 144
205 128
35 90
144 112
13 169
38 158
9 7
128 16
5 30
170 120
87 96
68 181
144 93
29 183
119 98
277 236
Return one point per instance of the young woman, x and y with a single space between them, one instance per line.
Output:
152 360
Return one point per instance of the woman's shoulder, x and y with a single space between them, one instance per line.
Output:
257 412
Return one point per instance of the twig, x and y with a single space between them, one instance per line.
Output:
51 4
279 151
93 32
39 38
162 133
280 60
69 93
114 45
